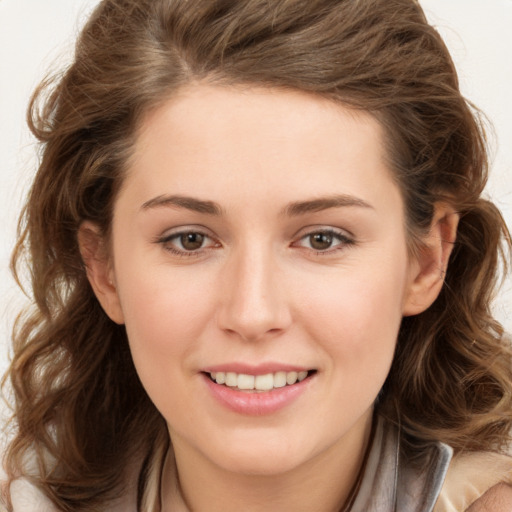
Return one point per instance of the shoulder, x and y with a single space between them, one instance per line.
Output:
26 498
497 499
477 482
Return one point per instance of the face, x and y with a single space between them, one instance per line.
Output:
260 266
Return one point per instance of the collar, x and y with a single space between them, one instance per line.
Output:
391 483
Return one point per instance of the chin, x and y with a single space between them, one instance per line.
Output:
261 457
257 465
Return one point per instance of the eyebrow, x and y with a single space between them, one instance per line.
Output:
189 203
291 210
324 203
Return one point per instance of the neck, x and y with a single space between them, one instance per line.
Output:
324 483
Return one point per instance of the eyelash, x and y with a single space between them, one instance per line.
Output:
344 242
167 241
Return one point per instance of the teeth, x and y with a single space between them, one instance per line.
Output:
231 379
264 382
245 381
291 378
280 379
259 382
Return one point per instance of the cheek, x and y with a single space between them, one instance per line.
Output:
355 326
357 317
166 316
165 311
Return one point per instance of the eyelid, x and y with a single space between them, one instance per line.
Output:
345 238
166 238
180 230
323 228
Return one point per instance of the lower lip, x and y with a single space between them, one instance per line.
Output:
256 403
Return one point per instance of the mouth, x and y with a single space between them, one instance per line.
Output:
259 383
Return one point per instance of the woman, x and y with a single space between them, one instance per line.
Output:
261 268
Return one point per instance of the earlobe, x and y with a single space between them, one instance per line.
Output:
429 265
99 270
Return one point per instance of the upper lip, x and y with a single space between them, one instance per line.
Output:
259 369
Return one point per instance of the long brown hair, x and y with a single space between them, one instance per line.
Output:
80 410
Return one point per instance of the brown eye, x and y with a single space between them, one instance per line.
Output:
328 241
188 243
320 241
192 241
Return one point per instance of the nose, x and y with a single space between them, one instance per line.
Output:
253 302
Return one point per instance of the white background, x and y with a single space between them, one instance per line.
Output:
38 34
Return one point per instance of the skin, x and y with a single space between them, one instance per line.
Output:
496 499
259 290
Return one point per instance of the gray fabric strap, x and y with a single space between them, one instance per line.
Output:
391 484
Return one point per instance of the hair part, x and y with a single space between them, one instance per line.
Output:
79 405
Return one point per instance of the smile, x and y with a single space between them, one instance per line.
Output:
267 382
258 395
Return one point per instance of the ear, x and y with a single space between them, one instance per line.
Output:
99 269
428 265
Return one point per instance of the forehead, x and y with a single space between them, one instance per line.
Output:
257 142
263 114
